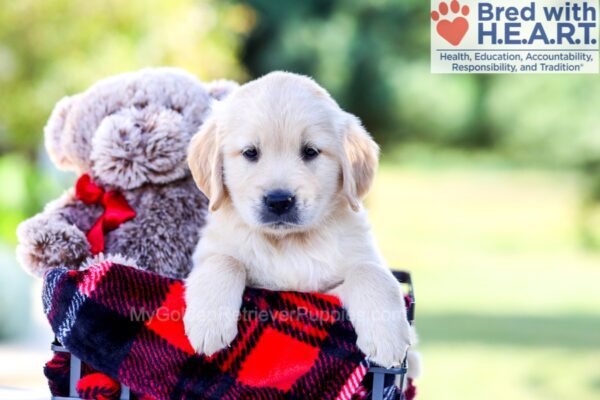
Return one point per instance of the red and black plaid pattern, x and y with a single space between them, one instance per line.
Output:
98 386
128 324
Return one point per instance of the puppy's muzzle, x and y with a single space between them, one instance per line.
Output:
279 206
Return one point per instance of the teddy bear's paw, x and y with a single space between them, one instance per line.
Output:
384 340
210 330
45 242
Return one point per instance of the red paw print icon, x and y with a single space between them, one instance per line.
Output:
453 30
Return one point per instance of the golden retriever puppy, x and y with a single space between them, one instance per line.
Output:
285 170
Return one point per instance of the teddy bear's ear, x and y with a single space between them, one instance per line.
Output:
221 88
54 133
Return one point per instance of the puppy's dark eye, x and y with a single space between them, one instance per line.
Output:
309 152
251 154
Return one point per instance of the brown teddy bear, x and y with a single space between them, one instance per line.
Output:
135 200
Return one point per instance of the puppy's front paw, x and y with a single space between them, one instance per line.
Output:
385 339
210 330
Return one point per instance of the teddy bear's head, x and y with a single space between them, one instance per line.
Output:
132 129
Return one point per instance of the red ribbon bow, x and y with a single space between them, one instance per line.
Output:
116 210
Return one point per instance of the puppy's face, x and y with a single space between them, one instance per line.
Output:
280 156
284 153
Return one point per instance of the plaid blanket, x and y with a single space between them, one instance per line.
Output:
127 324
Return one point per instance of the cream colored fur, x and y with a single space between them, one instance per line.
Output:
331 248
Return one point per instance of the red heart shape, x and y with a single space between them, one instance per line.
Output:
453 31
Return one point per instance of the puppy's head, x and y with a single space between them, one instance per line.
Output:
284 154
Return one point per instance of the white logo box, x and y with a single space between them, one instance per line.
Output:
512 36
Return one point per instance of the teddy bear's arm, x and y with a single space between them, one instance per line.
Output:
55 237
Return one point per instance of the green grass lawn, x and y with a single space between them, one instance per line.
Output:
508 302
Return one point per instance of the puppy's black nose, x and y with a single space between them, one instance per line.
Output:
279 201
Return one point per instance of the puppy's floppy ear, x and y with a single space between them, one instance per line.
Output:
54 133
205 159
359 162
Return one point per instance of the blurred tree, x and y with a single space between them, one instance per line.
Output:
373 56
589 215
52 48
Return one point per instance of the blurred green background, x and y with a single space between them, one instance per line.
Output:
488 190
